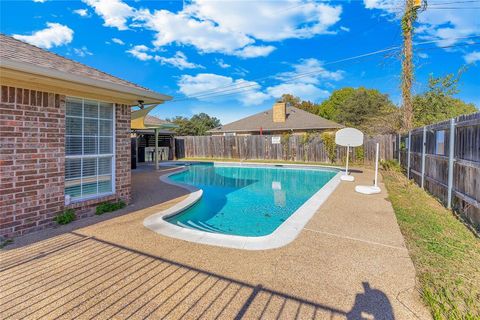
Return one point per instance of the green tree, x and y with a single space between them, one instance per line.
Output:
437 103
301 104
329 108
197 125
366 109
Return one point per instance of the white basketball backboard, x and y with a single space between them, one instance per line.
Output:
350 137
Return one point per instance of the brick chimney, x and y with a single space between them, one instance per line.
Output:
280 112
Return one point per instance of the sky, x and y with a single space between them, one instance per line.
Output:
234 58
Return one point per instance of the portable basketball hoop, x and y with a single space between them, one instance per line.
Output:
348 137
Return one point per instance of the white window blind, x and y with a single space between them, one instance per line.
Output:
89 148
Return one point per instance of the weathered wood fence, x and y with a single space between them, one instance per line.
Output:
444 159
263 148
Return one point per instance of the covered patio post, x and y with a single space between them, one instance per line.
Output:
156 148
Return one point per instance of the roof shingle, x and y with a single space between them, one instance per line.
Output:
297 119
16 50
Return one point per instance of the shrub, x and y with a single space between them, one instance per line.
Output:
359 154
390 165
328 139
65 217
109 207
285 140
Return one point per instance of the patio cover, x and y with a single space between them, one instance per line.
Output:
138 120
138 123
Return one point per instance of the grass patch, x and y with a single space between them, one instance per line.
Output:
109 207
445 253
65 217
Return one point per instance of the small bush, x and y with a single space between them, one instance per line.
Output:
359 154
328 139
109 207
390 165
65 217
5 242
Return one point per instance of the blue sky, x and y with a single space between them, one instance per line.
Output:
254 50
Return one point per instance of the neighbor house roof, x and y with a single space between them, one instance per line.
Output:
19 57
154 121
296 119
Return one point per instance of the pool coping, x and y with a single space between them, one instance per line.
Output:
283 235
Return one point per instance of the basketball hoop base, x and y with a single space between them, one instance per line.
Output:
367 189
347 177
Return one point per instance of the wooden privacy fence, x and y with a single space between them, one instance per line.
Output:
444 159
264 148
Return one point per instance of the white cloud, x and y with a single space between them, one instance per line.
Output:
82 12
346 29
445 25
305 91
230 27
423 55
54 35
311 71
231 88
118 41
254 51
204 35
179 60
39 1
472 57
82 52
269 20
140 52
304 80
115 13
222 64
295 82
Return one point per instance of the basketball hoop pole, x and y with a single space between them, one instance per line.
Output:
346 165
376 165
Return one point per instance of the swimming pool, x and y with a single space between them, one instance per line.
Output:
244 203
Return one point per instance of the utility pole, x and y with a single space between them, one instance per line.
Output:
409 17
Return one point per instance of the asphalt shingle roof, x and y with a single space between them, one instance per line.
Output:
152 120
297 119
16 50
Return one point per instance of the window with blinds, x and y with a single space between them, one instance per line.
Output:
89 148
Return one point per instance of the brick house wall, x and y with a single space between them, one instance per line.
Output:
32 160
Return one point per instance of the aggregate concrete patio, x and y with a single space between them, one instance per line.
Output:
349 262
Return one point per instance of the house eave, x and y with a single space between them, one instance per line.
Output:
38 77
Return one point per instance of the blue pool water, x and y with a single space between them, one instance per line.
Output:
246 201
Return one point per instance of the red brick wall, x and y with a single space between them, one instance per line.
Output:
32 160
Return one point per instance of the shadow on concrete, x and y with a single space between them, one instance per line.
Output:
147 191
371 304
99 279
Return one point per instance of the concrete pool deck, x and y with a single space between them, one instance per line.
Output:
349 262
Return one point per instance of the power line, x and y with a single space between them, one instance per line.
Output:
237 89
233 88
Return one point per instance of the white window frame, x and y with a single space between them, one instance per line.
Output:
82 156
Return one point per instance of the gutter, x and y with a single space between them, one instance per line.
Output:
65 76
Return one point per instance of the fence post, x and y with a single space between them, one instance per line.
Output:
408 153
451 159
424 147
399 148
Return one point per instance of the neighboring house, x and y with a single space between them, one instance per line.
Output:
280 119
64 135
